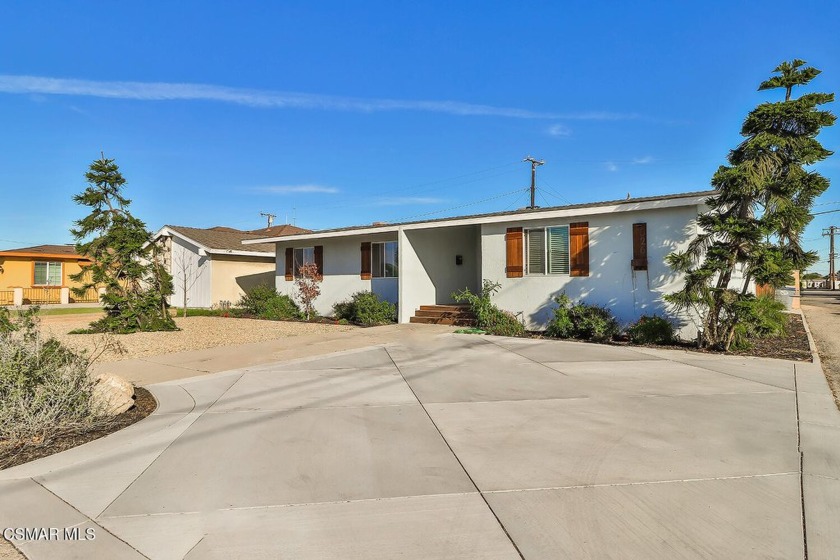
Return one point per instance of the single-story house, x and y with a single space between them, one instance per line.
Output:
41 272
609 253
210 267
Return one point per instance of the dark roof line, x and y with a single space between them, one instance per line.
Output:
519 212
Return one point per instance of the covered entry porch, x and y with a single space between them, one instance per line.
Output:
434 263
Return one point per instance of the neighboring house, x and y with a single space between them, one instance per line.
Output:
212 267
607 253
41 272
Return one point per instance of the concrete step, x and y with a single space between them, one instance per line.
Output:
448 307
444 314
443 321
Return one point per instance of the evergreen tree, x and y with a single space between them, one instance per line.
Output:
752 231
125 260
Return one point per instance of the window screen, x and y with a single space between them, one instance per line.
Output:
47 274
547 250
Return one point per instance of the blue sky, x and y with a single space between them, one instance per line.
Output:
340 113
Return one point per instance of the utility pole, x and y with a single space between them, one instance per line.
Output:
534 164
832 273
269 216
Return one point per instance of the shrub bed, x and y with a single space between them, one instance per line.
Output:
264 302
365 308
581 321
45 389
490 318
651 329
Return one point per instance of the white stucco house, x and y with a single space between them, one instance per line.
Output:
609 253
210 266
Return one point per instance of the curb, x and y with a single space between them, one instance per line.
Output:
815 355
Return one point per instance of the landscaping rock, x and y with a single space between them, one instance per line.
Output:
115 394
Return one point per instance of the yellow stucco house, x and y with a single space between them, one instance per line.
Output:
41 272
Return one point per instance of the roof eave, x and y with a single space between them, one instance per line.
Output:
690 199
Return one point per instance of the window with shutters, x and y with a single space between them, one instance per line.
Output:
385 260
303 255
547 250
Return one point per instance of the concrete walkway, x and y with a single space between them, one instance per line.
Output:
457 446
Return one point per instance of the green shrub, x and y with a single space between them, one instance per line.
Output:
758 317
265 303
365 308
582 321
651 329
490 318
45 388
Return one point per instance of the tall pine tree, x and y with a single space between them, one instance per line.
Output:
125 260
752 231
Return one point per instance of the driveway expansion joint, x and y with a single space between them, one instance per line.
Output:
640 483
98 525
458 459
801 468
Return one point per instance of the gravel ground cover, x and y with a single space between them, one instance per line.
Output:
196 333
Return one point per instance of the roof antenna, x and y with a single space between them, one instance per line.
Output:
534 164
270 218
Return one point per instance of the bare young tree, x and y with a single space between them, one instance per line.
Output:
187 275
308 285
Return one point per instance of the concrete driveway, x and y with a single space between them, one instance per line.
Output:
457 447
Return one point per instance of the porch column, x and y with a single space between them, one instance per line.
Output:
404 311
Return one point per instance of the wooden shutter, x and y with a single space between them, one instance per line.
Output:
514 249
365 268
319 258
290 263
579 248
640 261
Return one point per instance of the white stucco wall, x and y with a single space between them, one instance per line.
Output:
611 281
185 260
342 263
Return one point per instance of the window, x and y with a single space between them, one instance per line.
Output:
47 274
385 260
296 258
547 250
304 255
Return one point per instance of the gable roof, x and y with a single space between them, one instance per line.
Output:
227 240
54 251
523 214
285 229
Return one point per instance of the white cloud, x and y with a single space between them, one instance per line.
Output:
559 130
162 91
610 166
406 200
293 189
643 160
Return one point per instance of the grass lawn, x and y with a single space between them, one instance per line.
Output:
69 310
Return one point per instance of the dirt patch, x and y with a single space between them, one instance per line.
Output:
196 333
823 313
794 346
8 551
144 405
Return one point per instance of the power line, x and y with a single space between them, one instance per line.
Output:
414 188
559 196
467 204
